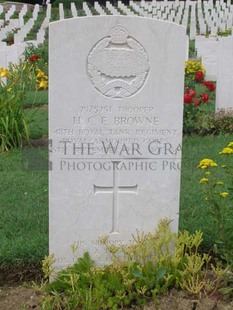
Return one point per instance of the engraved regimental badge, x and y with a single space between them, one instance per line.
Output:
118 65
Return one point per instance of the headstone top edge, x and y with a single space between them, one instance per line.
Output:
117 17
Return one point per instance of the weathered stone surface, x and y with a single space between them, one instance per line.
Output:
115 130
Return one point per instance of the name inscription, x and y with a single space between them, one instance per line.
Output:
116 132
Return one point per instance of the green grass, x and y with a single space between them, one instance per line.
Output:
2 15
24 208
24 197
36 99
192 51
39 126
15 15
81 12
38 114
27 16
55 15
67 13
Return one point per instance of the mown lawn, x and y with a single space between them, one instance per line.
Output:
23 208
194 211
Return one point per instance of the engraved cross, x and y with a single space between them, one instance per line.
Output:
115 189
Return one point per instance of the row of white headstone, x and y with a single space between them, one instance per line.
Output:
205 17
207 48
24 29
209 17
21 28
12 53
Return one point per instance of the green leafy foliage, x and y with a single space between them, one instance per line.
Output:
151 264
13 123
225 33
16 82
10 36
42 51
215 123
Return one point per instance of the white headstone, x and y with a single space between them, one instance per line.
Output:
61 11
224 90
86 9
12 54
98 8
111 8
116 129
187 48
73 9
48 11
40 37
3 57
207 50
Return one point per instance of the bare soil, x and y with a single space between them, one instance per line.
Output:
25 297
17 293
14 293
19 298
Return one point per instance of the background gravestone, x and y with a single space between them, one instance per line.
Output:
224 75
116 103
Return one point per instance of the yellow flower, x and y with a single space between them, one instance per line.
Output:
207 173
41 74
226 150
219 183
230 144
43 84
9 89
203 180
224 194
191 67
204 163
4 73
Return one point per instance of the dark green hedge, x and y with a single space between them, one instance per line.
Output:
26 1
